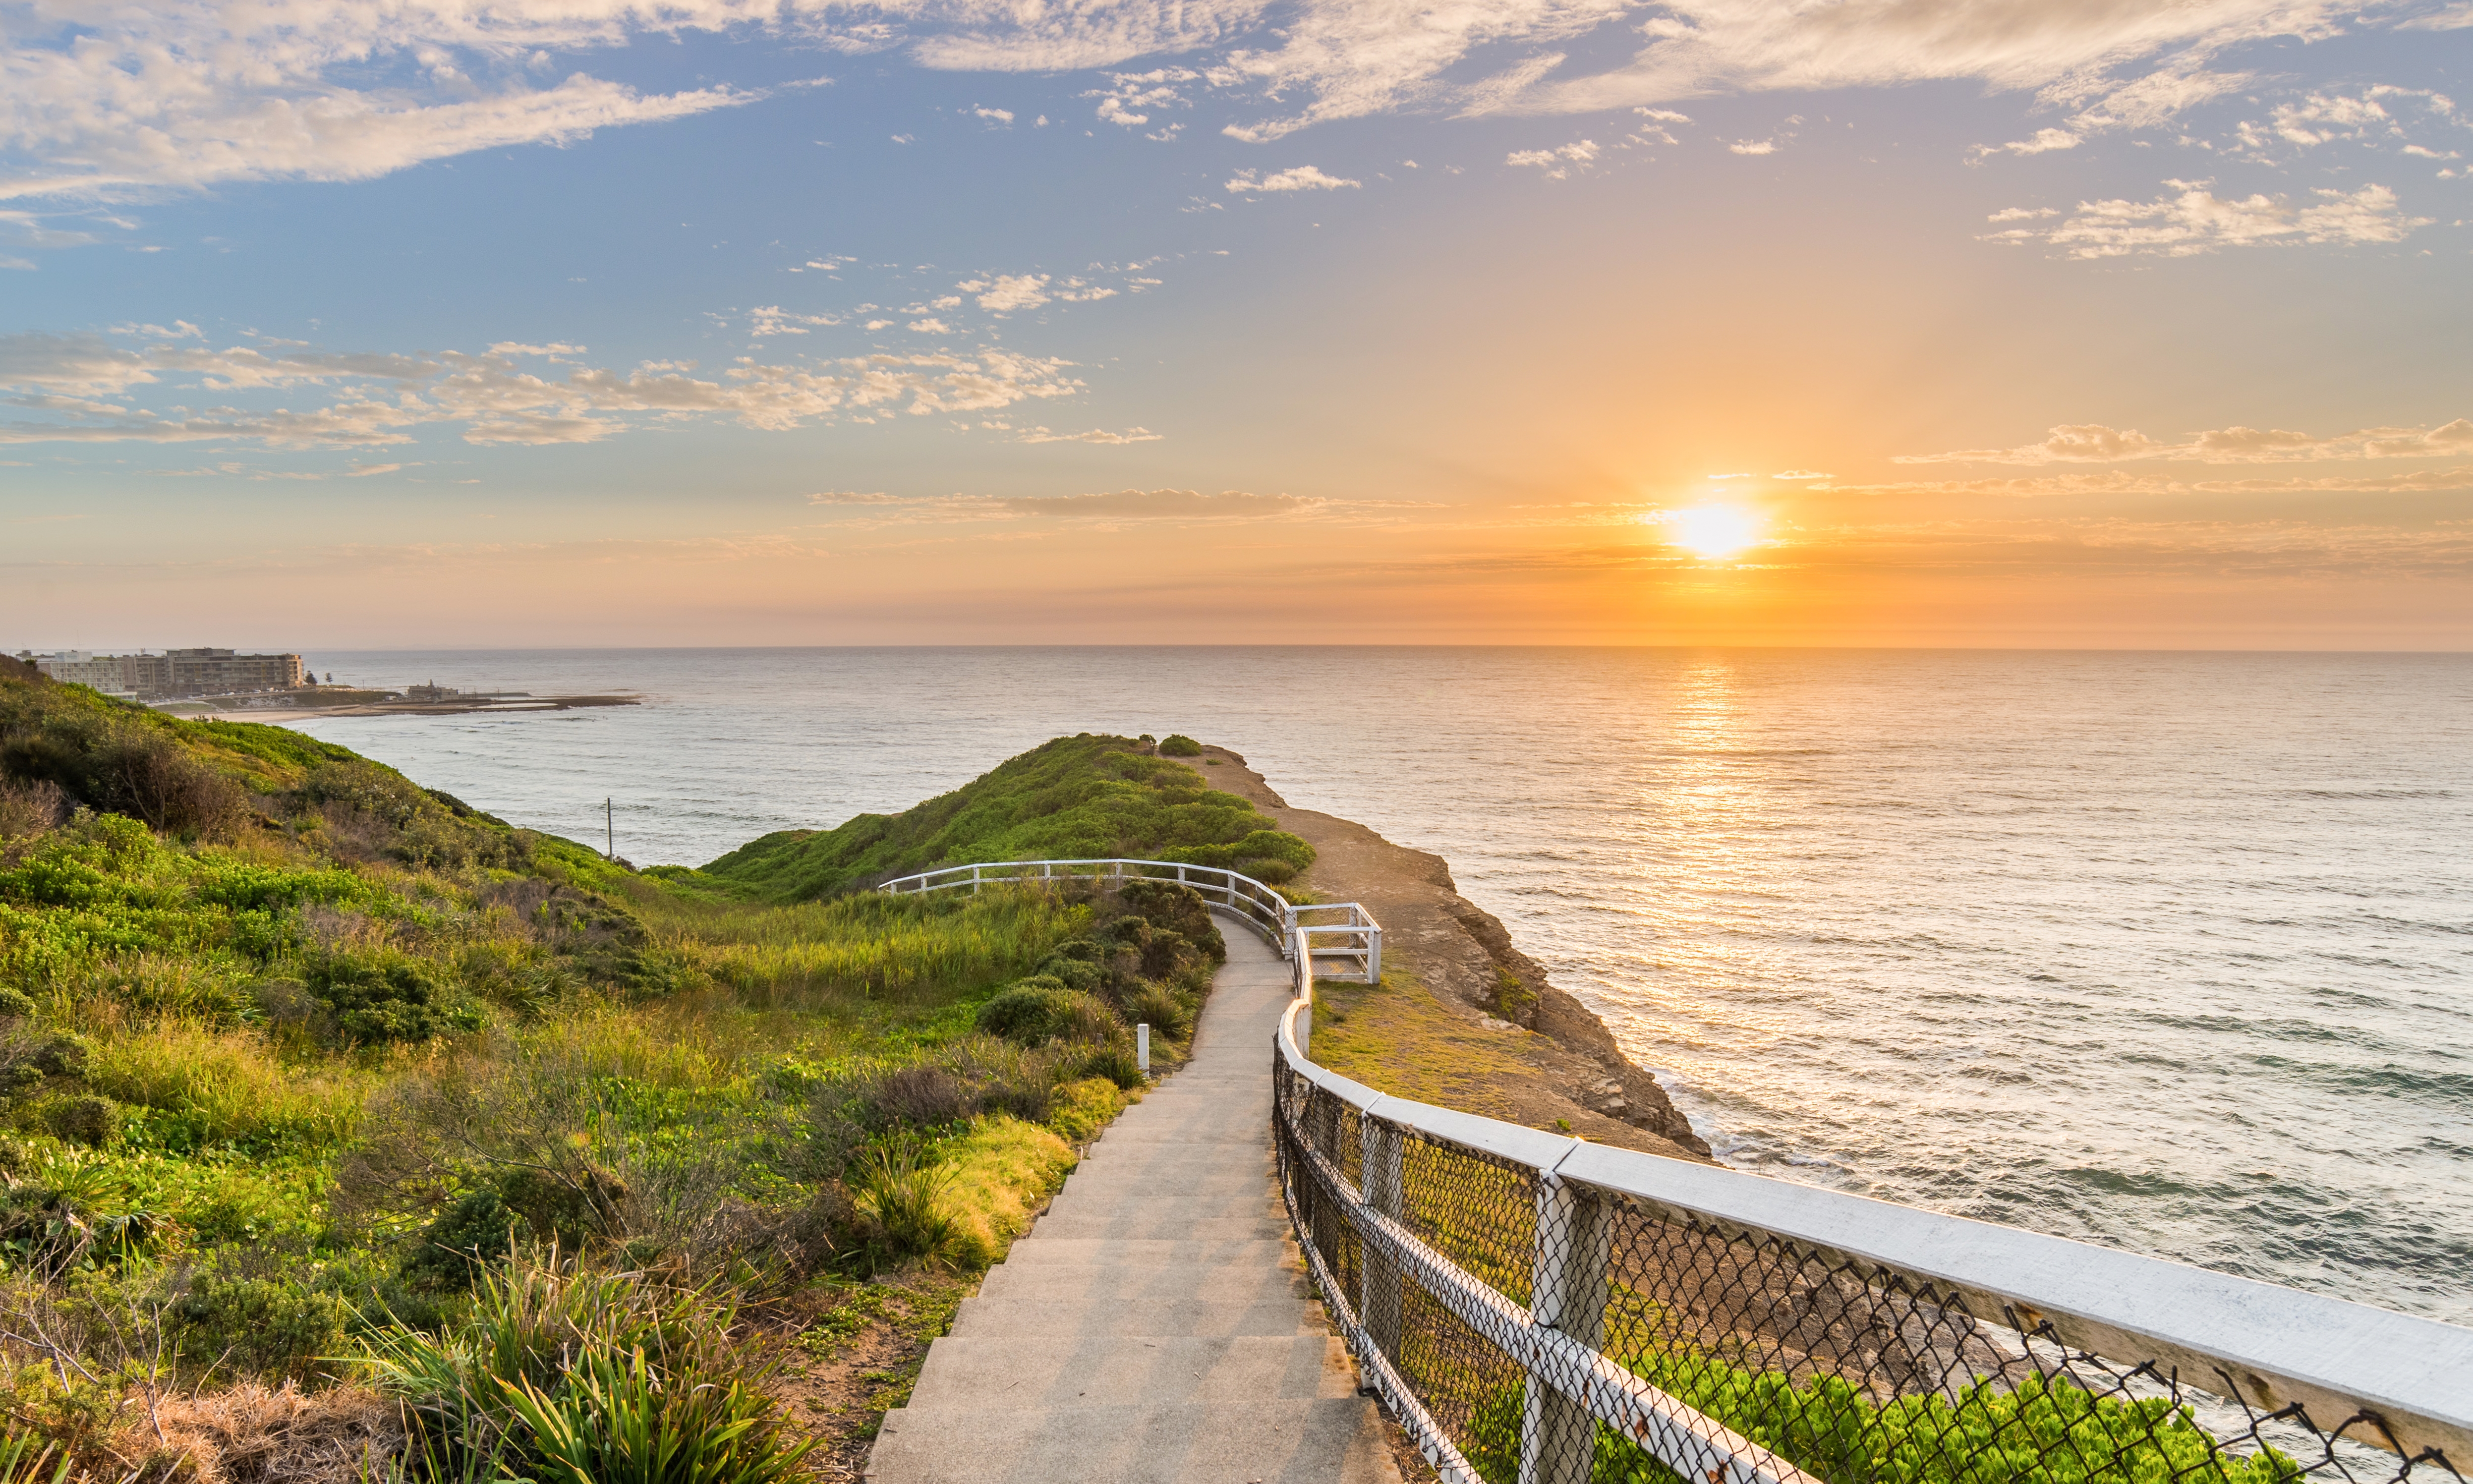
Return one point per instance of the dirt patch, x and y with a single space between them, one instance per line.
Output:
850 1354
1557 1066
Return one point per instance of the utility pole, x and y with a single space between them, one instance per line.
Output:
610 829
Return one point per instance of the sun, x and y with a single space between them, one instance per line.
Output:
1712 532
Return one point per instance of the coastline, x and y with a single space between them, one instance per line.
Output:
1553 1064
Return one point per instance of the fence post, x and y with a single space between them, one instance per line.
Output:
1567 1294
1143 1047
1373 952
974 880
1377 1305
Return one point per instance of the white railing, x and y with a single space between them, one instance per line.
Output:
1328 940
1984 1303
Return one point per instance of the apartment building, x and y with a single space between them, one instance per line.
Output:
172 673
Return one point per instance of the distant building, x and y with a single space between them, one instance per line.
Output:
172 673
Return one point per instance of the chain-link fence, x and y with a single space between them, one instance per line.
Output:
1538 1310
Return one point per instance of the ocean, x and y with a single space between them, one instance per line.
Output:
2167 951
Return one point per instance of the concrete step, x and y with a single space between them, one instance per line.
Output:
970 1375
1065 1321
1198 1174
1323 1441
1144 1222
1128 1254
1223 1283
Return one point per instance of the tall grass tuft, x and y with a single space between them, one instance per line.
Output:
901 1185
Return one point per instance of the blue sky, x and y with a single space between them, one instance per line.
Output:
2000 323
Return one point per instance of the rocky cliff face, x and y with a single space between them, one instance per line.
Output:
1467 960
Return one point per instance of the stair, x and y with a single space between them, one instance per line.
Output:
1155 1325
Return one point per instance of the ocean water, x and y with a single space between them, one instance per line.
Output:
2167 951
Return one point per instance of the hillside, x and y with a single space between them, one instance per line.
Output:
347 1127
1083 797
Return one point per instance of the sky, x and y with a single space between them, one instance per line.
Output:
1955 323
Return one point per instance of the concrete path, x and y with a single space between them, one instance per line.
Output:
1154 1325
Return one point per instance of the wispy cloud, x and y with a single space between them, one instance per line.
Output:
2195 221
2093 443
80 390
1299 178
1095 436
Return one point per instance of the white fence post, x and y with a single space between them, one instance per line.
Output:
1142 1046
1567 1294
1373 952
974 880
1378 1276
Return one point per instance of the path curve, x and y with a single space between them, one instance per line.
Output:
1155 1325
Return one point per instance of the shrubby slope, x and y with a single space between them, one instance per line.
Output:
343 1124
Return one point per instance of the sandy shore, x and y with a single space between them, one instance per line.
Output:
1557 1066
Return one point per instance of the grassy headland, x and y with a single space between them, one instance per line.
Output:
1075 797
347 1130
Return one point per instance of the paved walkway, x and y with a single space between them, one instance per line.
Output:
1154 1325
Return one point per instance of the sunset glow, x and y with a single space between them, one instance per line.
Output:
1334 323
1712 533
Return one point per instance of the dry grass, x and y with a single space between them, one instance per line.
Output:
251 1435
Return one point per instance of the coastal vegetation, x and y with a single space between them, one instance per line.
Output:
346 1126
1077 797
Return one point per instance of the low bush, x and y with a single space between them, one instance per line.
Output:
390 999
1177 744
1162 1009
1269 870
258 1326
1039 1010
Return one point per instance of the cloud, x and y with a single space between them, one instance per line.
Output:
2093 443
83 389
1300 178
1165 505
1557 163
1095 436
1008 291
1799 474
929 326
184 97
2046 141
2195 221
101 98
774 321
1753 147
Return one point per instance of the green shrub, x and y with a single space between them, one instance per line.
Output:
258 1326
1113 1060
1039 1010
1177 744
377 1001
1268 869
1161 1010
1180 910
1260 845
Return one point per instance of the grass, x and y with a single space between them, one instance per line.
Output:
318 1085
1085 796
1396 1038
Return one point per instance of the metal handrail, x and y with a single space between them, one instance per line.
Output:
1354 944
2409 1378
